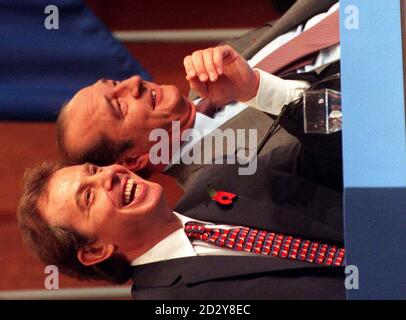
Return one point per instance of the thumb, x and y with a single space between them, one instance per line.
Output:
224 55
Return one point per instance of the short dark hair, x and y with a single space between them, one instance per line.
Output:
58 245
103 151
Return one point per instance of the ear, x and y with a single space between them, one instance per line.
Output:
91 255
134 162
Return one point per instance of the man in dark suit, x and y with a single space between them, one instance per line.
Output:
82 140
268 200
93 222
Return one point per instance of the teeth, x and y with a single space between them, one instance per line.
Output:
127 191
153 94
137 191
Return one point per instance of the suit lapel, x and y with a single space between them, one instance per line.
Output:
189 270
248 118
269 200
247 46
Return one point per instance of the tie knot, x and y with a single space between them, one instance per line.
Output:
213 235
196 230
194 226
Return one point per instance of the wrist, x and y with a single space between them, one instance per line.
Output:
254 87
253 90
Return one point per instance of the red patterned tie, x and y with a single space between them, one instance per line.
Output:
267 243
301 50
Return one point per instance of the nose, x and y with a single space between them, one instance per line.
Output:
107 177
130 86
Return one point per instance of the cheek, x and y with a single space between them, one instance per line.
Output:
106 226
105 120
101 216
136 124
155 194
151 204
176 101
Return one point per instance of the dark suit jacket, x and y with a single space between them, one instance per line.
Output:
284 146
269 200
315 156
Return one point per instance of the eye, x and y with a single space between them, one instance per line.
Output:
121 107
93 170
115 83
88 197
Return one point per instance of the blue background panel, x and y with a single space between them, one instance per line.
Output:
373 102
41 68
374 147
375 231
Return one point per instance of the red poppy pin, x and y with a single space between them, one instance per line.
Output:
222 198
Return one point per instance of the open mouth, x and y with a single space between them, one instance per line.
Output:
131 192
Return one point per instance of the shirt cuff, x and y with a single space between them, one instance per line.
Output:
274 92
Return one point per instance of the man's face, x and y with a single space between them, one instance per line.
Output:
126 110
110 203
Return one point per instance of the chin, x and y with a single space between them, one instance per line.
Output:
177 103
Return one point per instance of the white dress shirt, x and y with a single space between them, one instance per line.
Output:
273 92
177 245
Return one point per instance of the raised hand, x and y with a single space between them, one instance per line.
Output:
221 75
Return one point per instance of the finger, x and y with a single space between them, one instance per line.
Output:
222 56
218 60
198 63
209 64
189 68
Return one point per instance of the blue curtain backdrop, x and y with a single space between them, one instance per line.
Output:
40 69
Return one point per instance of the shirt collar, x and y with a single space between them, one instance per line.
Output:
174 246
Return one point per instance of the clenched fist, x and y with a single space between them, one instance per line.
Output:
221 75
